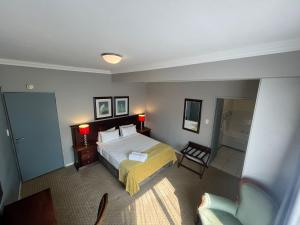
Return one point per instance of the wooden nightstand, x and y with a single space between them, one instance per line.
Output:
85 155
145 131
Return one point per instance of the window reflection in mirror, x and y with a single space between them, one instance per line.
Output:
192 115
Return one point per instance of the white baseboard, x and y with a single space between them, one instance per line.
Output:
20 190
69 164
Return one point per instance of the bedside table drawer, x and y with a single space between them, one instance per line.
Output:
145 131
87 155
86 151
87 161
88 158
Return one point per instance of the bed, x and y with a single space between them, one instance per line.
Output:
114 155
117 151
133 173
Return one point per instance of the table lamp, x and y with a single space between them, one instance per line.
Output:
84 129
142 119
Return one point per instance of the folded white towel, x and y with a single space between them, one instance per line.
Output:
138 156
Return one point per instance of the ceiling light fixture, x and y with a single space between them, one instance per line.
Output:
111 58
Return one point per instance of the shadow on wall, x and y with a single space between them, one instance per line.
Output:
289 187
289 164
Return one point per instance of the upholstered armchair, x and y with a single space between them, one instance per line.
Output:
255 207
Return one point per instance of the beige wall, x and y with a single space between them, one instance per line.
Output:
165 102
273 153
275 65
74 94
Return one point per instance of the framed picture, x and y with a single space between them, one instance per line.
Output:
121 106
103 107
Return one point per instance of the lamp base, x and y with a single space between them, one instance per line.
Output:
85 140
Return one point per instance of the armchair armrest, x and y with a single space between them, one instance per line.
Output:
211 201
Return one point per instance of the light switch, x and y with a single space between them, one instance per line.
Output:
29 86
207 121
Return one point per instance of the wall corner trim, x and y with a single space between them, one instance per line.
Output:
69 164
13 62
20 191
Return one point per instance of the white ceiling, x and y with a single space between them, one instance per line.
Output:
71 34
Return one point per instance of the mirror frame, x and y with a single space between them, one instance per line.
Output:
199 120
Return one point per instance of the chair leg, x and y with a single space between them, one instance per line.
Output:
180 161
202 171
197 220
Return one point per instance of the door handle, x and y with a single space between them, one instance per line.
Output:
21 138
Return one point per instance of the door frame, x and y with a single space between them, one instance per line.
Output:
11 135
214 128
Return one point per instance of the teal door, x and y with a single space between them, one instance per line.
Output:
35 131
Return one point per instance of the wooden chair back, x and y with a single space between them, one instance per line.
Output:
101 209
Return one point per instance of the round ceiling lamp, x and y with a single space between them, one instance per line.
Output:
111 58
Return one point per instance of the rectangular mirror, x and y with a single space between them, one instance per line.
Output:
192 115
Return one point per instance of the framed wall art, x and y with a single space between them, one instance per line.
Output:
121 106
103 107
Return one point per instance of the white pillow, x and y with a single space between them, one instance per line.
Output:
124 126
111 129
126 131
107 136
99 136
129 125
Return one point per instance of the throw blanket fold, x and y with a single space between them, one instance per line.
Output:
132 173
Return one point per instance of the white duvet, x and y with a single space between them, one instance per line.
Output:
118 150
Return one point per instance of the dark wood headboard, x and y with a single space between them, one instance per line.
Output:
101 125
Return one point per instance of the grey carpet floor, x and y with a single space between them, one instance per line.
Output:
170 197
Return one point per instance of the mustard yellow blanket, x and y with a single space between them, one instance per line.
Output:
132 173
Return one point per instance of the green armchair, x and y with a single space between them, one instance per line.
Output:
255 207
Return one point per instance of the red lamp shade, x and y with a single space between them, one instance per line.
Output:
141 117
84 129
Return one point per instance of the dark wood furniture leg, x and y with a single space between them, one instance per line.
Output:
101 209
180 161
